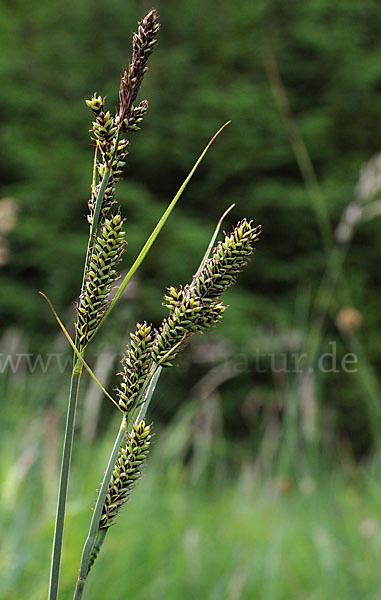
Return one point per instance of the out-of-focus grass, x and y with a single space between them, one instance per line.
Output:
239 537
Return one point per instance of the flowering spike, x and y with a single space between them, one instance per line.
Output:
196 307
143 43
188 315
136 365
105 255
105 126
126 472
137 113
227 260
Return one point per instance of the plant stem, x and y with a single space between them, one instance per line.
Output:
96 536
64 480
89 544
72 405
149 394
98 205
98 545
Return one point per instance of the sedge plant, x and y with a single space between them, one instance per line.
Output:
192 308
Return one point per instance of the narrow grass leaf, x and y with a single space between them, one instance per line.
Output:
213 239
77 352
158 227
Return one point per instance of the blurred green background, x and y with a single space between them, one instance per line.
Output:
263 483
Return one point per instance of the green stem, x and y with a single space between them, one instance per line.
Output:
98 206
97 546
150 391
211 243
96 536
70 419
64 480
89 544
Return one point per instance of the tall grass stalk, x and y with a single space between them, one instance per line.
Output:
63 486
91 538
193 308
70 420
298 146
96 534
76 375
104 139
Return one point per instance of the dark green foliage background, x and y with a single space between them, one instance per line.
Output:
208 68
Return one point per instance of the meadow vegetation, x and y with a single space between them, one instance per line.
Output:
264 477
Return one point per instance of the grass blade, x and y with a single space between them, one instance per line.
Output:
213 239
78 354
91 538
64 481
159 226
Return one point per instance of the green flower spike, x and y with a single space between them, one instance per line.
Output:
126 472
136 365
196 307
106 254
227 260
188 315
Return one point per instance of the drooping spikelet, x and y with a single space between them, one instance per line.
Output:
136 365
227 260
126 472
196 307
143 43
100 275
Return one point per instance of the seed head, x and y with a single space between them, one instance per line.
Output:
136 365
188 315
227 260
105 255
126 472
115 174
105 126
196 307
143 43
